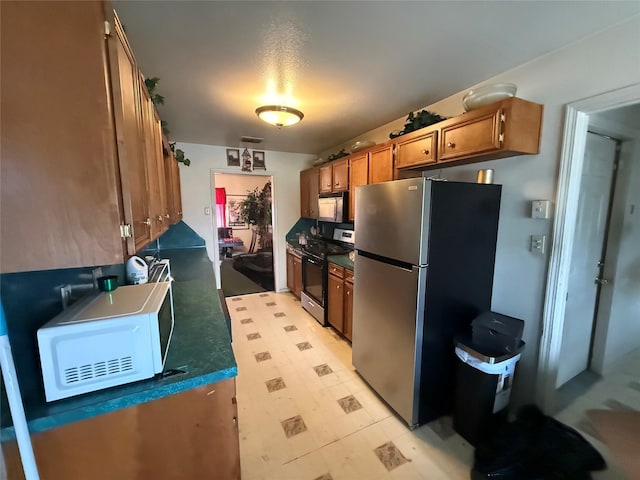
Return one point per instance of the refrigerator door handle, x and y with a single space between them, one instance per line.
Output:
390 261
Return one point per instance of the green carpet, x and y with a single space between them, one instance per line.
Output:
235 283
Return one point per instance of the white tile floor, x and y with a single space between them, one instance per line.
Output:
299 430
618 390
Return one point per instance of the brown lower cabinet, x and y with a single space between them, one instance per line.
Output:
340 299
348 304
294 273
192 434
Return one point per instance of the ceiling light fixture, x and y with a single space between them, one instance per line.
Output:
279 115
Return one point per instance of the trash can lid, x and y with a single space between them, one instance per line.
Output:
503 324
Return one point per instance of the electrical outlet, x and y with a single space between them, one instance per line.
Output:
539 244
540 209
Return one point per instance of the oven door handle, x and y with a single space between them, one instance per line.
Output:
311 260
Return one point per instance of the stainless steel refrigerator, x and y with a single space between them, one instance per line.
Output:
423 271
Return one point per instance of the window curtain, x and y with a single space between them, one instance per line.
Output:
221 203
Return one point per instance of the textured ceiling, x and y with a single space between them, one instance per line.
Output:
349 66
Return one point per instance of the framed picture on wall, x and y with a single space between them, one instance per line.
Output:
234 219
233 157
258 160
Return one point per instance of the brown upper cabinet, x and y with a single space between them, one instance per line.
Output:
334 177
373 166
416 150
76 187
340 175
309 188
156 184
59 195
172 180
503 129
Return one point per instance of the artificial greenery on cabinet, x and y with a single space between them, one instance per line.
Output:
157 99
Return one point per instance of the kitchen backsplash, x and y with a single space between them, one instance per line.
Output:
30 300
179 235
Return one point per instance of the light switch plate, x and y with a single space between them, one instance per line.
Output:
540 208
539 244
207 210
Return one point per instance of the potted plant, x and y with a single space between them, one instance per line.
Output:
255 210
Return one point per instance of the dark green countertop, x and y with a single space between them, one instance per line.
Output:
342 260
200 347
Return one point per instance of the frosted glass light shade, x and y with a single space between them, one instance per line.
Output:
279 115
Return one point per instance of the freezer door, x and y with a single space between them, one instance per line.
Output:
388 317
390 219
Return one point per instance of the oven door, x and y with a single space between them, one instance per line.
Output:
314 278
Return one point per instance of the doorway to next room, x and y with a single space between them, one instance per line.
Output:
244 227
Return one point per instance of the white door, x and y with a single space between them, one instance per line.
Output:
587 255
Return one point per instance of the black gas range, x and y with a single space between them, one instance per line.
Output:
321 249
315 270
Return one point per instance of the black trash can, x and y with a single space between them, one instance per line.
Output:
483 388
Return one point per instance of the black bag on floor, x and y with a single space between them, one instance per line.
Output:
534 447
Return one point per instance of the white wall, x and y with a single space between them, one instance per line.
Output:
195 181
600 63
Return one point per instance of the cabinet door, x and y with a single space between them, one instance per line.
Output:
304 194
172 182
416 150
155 171
341 175
177 192
335 302
475 134
314 190
290 273
128 119
348 309
309 189
326 178
297 276
381 164
59 197
204 441
359 176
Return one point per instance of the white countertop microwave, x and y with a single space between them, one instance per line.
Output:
107 339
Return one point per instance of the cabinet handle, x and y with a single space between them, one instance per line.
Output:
451 145
160 218
425 151
166 215
147 222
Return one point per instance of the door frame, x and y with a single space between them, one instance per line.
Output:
214 222
568 192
